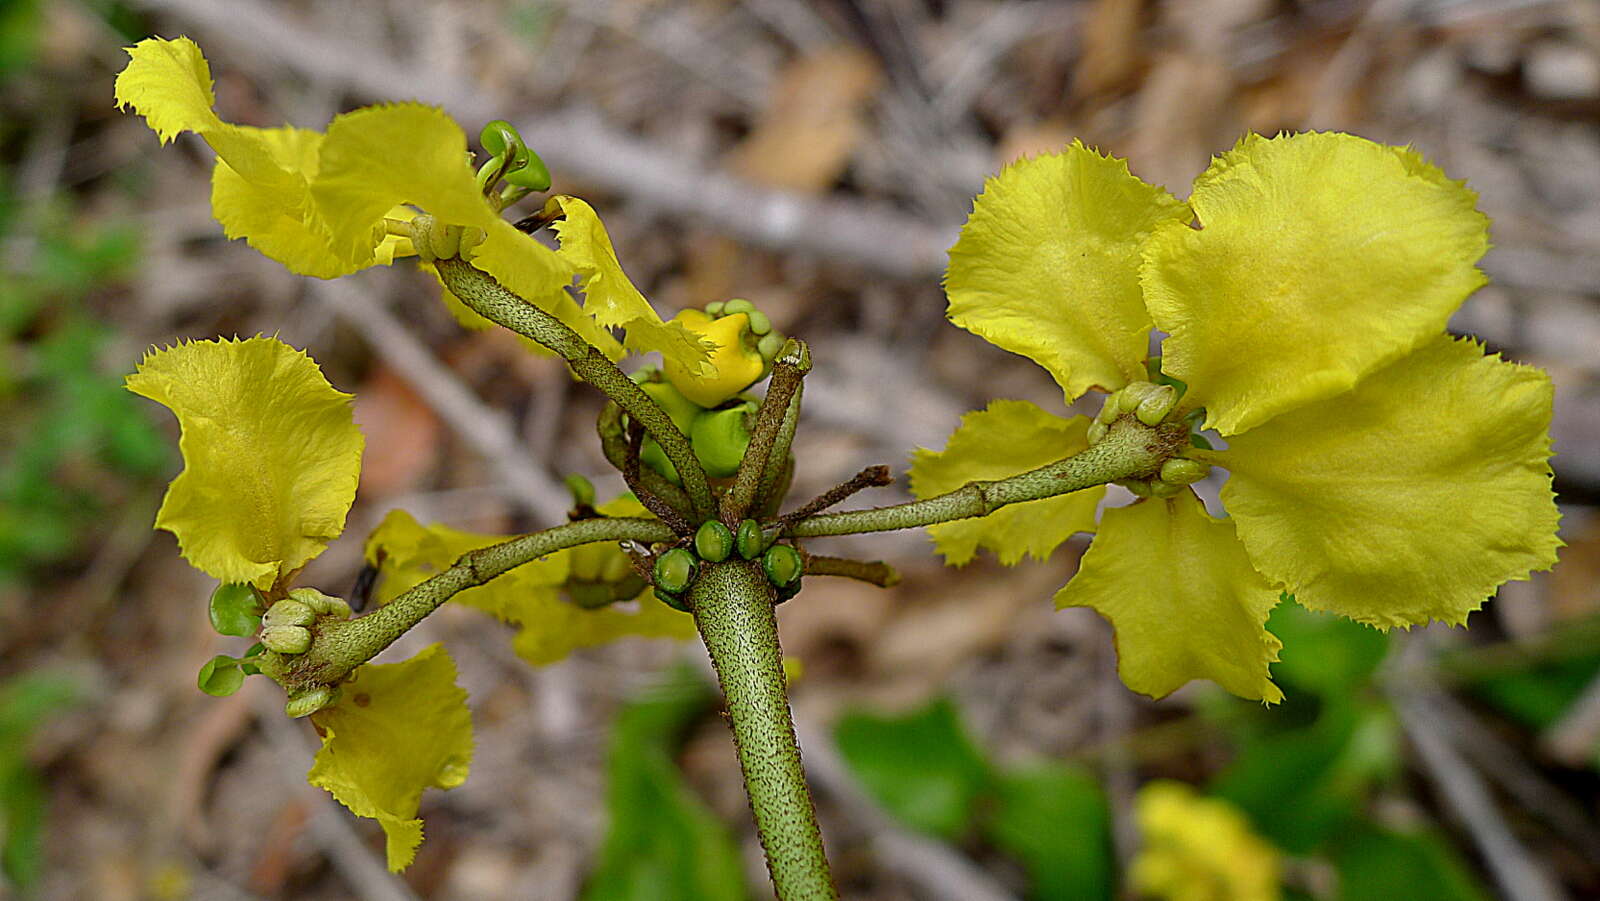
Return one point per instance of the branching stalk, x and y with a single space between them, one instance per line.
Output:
788 370
488 298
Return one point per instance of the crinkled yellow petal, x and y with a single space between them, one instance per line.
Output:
1180 592
1319 259
535 272
611 298
1007 438
398 728
1408 499
259 187
271 455
529 596
1048 266
277 226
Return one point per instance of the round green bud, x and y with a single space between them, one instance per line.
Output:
1097 432
1160 488
782 564
738 305
1180 471
582 490
1157 404
1129 398
769 345
713 541
759 323
714 308
720 438
321 604
289 613
750 540
308 702
287 639
675 570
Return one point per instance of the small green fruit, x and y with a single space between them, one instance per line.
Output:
782 565
750 540
675 570
713 541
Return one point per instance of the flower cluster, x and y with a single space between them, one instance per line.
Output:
1378 467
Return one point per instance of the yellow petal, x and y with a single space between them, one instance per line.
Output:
536 273
271 455
1007 438
530 595
1183 598
1048 266
610 297
735 365
1320 258
261 177
1198 849
1408 499
398 728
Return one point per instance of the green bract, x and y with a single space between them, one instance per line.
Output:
1378 467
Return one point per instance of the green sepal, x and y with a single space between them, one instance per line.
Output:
713 541
783 565
220 676
235 609
675 570
720 438
750 541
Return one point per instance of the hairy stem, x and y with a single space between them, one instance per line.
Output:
491 300
1130 450
733 608
614 444
874 572
339 647
778 472
788 370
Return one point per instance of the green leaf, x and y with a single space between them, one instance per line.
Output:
1053 818
1323 653
235 609
663 843
1376 862
1540 694
220 676
920 766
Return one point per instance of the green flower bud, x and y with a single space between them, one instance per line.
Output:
321 604
714 308
750 540
738 305
675 570
582 490
759 323
1180 471
308 702
1157 404
769 345
1159 488
287 639
235 609
720 438
713 541
1109 410
220 676
782 565
289 613
1098 431
1129 398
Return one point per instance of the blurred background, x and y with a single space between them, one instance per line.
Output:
966 741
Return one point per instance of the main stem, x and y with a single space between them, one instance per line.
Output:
733 609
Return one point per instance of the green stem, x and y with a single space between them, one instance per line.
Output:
1130 450
733 608
339 647
791 366
614 445
491 300
780 465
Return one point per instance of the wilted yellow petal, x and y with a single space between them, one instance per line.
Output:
1320 258
398 728
271 455
1408 499
1183 598
611 298
529 596
1007 438
1048 266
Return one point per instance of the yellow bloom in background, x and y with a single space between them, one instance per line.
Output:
1199 849
1379 468
317 203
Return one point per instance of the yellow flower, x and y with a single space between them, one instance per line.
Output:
317 203
1199 849
1380 468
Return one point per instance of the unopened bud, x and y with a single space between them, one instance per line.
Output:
1098 431
714 308
289 613
1157 404
1129 398
675 570
782 564
1182 471
308 702
713 541
321 604
738 305
759 323
769 345
1161 488
1139 487
287 639
750 540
